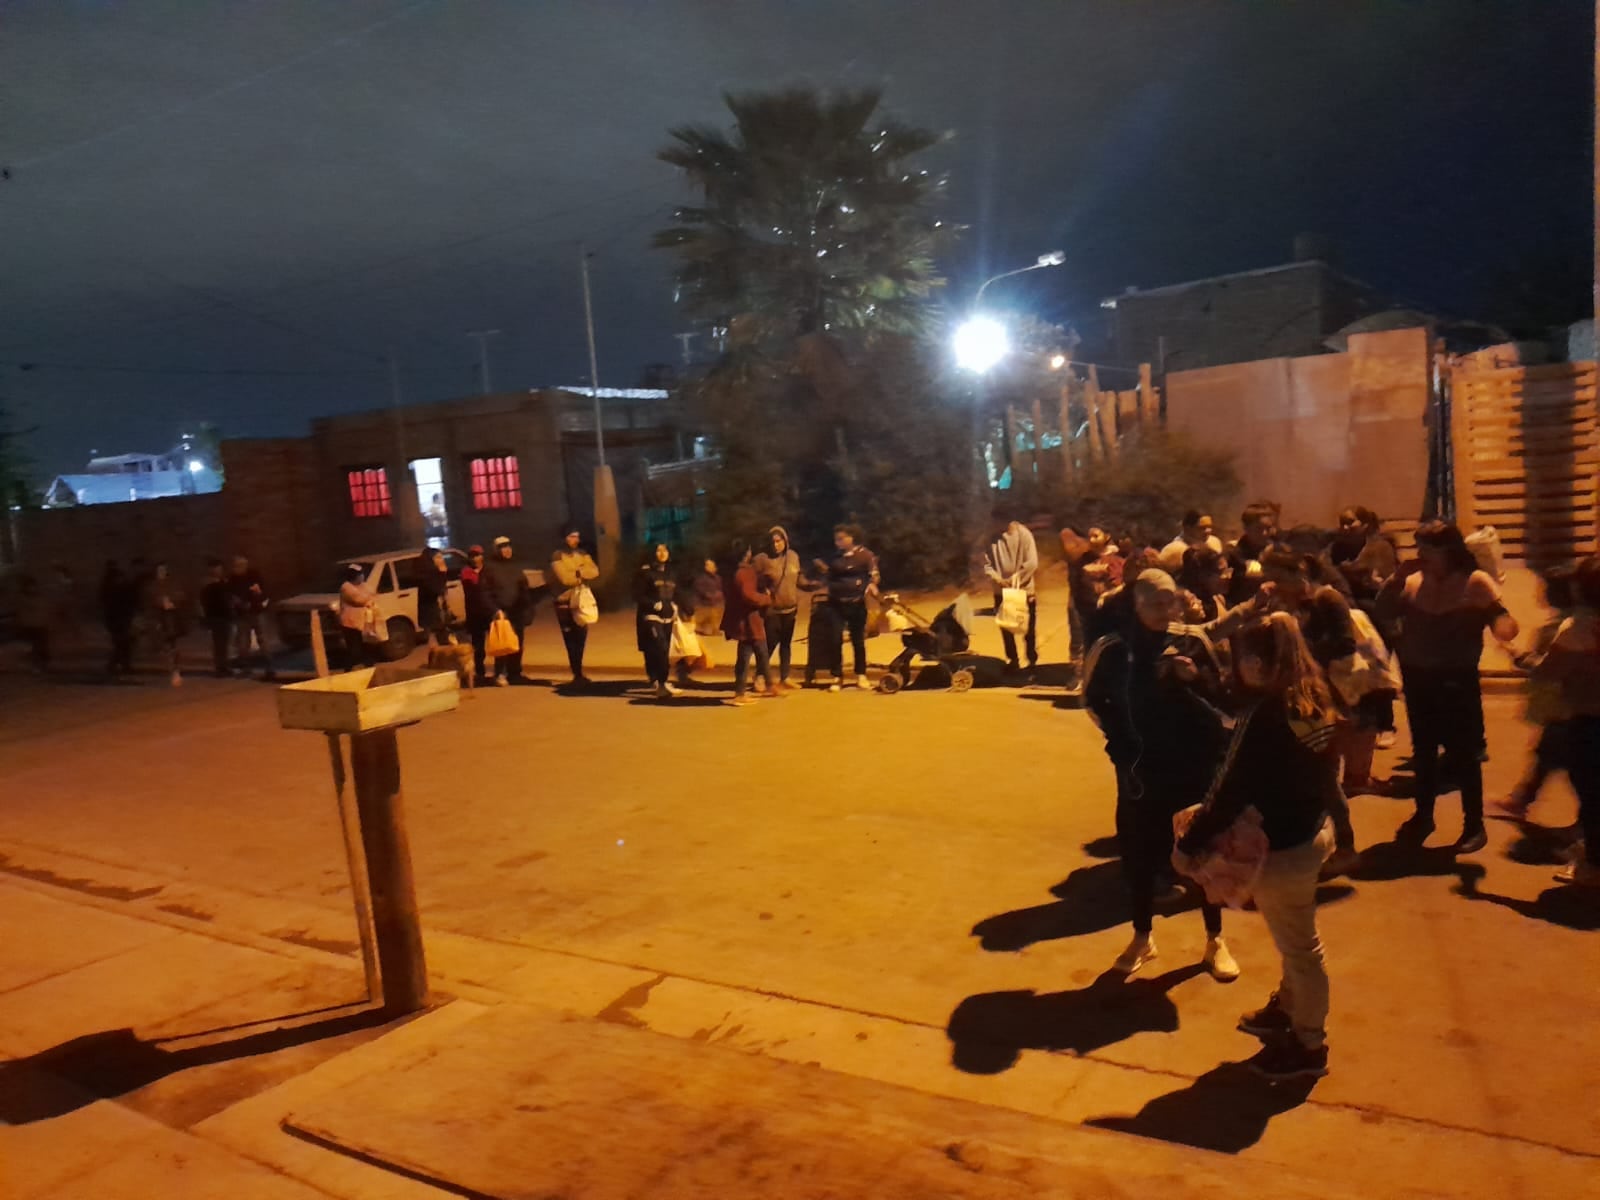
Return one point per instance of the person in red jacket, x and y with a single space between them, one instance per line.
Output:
743 602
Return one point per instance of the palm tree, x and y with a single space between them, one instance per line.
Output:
812 221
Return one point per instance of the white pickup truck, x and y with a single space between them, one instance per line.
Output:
392 577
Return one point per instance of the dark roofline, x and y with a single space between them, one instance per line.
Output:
1257 273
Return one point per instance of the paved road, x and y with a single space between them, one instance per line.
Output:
911 859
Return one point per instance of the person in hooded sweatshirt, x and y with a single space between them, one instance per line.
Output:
1282 762
1013 561
781 568
744 604
1155 689
503 583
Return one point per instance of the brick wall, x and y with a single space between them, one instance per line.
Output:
272 515
182 531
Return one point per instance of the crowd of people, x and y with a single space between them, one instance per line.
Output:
1242 691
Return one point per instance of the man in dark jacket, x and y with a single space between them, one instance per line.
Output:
1155 689
216 609
851 573
249 595
504 581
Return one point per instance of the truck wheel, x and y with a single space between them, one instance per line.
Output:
402 639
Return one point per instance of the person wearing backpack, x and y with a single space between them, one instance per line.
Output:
574 570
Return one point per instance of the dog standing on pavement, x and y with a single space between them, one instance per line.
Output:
457 657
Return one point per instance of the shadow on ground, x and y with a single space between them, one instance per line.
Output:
115 1062
1227 1109
1573 907
988 1032
1090 899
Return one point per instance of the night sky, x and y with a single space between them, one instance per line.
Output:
242 206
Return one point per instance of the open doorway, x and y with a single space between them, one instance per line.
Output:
428 475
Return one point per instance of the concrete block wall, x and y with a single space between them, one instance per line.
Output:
271 512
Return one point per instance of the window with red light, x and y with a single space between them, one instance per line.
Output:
369 491
496 482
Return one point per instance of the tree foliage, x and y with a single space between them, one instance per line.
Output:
814 246
811 218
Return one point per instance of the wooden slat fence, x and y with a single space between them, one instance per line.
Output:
1526 449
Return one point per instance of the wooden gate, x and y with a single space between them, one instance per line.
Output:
1526 448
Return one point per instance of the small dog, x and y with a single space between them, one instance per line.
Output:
455 657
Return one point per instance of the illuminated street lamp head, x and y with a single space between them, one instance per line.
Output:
1053 259
981 342
1057 361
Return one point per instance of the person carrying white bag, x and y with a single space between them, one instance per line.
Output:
1011 564
576 609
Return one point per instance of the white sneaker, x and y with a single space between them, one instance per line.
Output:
1579 874
834 686
501 681
662 691
863 683
672 689
1386 740
1220 962
1140 951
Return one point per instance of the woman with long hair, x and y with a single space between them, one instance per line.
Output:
1280 761
654 593
1442 604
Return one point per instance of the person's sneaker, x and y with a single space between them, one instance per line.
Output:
501 681
1415 829
672 689
1290 1058
1220 962
663 692
835 686
863 683
1579 874
1386 740
742 701
1340 862
1472 840
1140 951
1268 1021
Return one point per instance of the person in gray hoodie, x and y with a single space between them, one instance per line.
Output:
780 571
1013 561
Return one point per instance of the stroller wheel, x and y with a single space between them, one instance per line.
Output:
890 684
961 681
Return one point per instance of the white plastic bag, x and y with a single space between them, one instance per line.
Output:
1485 546
1011 614
685 642
585 609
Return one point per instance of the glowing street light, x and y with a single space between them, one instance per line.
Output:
980 343
1057 361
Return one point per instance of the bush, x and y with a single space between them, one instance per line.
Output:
1156 476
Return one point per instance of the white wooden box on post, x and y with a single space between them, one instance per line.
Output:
371 698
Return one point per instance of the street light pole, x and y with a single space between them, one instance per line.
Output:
594 369
482 336
607 516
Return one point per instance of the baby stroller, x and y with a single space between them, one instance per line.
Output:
941 642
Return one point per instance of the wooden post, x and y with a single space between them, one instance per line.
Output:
1127 412
319 650
1038 432
1149 406
1067 464
1091 401
356 862
375 762
1108 418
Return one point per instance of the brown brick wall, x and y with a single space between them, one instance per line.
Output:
272 514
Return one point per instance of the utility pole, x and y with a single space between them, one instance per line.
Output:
482 336
594 369
607 517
